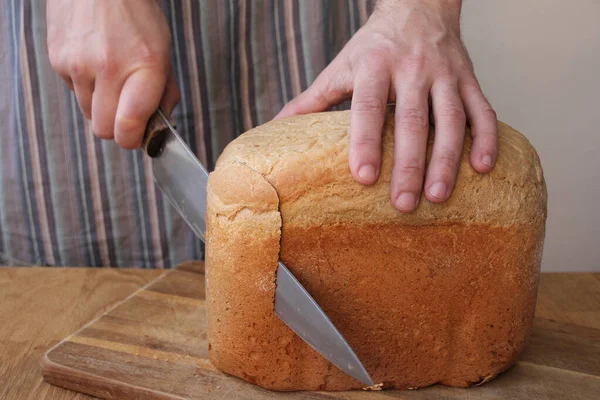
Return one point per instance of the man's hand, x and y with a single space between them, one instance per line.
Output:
115 56
408 51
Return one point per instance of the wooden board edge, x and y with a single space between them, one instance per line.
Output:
93 385
561 370
47 357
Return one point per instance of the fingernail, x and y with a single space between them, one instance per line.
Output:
487 160
367 173
438 190
406 201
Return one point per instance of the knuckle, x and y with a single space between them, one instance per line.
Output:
152 55
77 67
333 84
55 60
464 63
488 112
375 60
444 70
106 64
144 55
414 118
486 137
365 142
453 112
318 94
58 61
449 160
411 168
327 93
369 105
469 85
414 63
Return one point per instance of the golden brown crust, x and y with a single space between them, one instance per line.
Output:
306 159
446 294
242 248
423 306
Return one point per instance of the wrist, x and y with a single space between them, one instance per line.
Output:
417 18
450 9
433 4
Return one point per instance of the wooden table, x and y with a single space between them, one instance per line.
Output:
40 306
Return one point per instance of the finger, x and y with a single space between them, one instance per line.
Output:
81 78
140 97
484 126
105 99
450 123
331 87
84 91
412 124
366 124
171 95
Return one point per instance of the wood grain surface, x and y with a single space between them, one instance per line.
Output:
40 306
153 346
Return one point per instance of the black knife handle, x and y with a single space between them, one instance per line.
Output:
155 134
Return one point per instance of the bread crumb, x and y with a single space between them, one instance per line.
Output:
486 379
378 386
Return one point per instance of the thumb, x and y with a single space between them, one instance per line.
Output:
332 87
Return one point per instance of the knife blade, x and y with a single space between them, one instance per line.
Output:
183 179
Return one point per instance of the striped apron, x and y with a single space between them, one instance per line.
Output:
70 199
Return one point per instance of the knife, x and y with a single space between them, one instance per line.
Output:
183 179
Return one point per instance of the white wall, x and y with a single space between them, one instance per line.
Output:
538 62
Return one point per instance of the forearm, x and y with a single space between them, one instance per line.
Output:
431 20
448 9
450 5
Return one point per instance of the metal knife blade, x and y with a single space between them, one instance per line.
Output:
183 179
301 313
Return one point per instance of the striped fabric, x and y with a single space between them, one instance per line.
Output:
70 199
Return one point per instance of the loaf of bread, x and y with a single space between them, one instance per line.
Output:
445 294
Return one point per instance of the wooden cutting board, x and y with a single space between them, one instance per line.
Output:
153 345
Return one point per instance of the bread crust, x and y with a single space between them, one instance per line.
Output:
445 294
306 159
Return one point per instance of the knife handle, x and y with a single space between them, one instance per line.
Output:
155 134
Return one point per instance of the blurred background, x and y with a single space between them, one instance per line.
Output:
538 62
